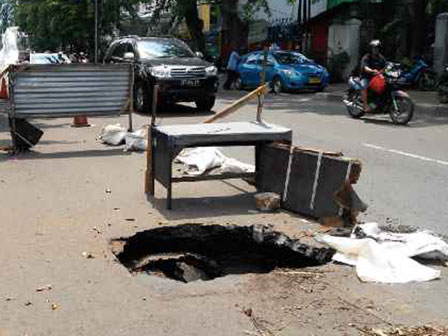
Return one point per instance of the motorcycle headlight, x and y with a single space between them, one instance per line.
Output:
211 71
160 72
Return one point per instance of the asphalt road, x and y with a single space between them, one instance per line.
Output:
405 175
72 194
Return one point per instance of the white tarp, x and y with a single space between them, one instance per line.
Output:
10 52
201 159
386 257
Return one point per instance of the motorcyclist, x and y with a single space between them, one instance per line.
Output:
372 64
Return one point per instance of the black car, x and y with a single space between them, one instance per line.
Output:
169 62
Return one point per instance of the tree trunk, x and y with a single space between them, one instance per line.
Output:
194 24
234 31
420 26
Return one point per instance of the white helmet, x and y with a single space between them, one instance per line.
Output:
375 43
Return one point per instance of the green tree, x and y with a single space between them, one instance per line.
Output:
235 21
54 24
6 14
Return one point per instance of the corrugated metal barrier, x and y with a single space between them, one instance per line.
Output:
66 90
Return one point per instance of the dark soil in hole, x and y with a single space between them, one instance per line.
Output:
191 252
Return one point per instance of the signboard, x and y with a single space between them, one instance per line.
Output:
318 7
258 31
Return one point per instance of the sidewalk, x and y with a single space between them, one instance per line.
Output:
426 102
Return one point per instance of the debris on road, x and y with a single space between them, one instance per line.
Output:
267 201
385 257
116 135
44 288
262 330
88 255
405 331
54 306
98 231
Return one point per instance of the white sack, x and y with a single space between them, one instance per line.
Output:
136 141
201 159
234 166
10 52
113 135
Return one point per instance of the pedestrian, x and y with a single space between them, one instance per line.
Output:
231 69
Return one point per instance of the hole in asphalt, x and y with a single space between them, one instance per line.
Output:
191 252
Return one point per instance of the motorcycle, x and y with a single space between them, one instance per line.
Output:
442 87
390 100
420 75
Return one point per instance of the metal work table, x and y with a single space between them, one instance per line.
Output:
168 141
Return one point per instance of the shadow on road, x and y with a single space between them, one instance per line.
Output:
184 208
205 207
32 155
176 111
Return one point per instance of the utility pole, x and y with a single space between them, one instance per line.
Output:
96 32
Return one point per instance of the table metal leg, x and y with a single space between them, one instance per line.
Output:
153 181
258 148
170 183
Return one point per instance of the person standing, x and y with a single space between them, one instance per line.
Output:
231 69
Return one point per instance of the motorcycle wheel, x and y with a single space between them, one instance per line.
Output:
427 81
355 109
405 111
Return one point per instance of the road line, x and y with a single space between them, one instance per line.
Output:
414 156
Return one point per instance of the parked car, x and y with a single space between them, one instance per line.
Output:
286 70
169 62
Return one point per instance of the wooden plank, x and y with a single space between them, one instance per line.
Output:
149 180
238 104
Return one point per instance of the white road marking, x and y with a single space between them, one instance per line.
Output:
419 157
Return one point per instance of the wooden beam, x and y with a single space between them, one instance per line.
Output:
149 180
238 104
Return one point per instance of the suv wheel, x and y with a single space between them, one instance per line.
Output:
205 103
141 97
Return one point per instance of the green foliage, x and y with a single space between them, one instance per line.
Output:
6 14
253 6
54 24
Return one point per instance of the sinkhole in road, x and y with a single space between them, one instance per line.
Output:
191 252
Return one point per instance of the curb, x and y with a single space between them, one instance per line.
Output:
437 110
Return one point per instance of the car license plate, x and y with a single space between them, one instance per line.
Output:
191 82
314 80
